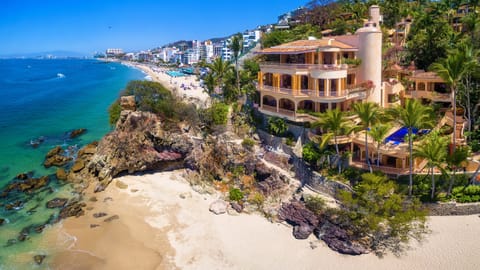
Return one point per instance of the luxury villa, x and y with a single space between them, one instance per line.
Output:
314 75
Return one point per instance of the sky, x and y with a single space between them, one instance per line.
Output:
86 26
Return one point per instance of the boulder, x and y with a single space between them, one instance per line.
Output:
121 185
72 209
218 207
302 231
38 259
338 240
77 132
78 165
61 174
237 207
303 220
55 151
262 172
57 203
2 221
56 157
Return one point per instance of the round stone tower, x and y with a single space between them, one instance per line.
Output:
370 52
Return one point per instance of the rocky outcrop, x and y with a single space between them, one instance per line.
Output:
56 157
128 103
138 143
61 174
72 209
23 183
57 203
39 259
218 207
339 240
77 132
303 220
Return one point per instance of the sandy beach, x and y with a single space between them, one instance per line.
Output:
164 224
191 87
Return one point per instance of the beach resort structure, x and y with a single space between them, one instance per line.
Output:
304 77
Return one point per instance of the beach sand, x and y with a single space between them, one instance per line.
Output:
190 82
167 225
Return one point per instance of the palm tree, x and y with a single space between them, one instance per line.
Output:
378 134
455 161
413 115
434 149
368 113
236 47
452 70
335 122
219 69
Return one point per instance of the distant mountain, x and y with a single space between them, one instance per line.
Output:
47 54
188 43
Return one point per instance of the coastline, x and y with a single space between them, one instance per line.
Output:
167 225
191 89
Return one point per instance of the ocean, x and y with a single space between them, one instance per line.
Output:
41 101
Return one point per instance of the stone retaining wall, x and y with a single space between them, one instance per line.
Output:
453 209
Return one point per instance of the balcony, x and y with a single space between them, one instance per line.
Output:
432 95
318 71
355 91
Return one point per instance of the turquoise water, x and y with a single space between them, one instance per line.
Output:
47 99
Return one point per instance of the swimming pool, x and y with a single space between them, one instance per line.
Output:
174 73
398 136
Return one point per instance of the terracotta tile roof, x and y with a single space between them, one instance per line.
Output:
426 75
304 46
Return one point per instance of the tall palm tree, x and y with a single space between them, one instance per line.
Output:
368 112
219 69
335 122
236 47
434 149
413 115
378 133
456 160
451 70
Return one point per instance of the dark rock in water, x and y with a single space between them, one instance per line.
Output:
27 185
111 218
56 157
61 174
11 242
77 132
73 209
99 215
11 206
39 229
237 207
39 259
302 231
22 236
23 176
2 220
33 209
304 220
338 240
57 203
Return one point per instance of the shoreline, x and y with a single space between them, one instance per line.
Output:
191 87
163 212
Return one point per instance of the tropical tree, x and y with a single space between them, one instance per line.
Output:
413 115
378 133
452 70
368 112
433 149
334 122
454 161
277 125
219 70
236 46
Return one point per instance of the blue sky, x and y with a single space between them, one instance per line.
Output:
87 26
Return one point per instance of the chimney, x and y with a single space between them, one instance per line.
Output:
375 17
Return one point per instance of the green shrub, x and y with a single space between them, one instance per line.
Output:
257 198
218 113
114 112
277 126
235 194
311 153
315 204
457 190
472 190
248 143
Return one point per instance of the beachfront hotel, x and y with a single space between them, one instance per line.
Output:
306 76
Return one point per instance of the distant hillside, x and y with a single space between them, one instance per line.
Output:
189 42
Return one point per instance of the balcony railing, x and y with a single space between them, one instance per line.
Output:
314 93
303 66
433 95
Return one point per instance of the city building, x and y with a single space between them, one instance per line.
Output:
114 52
